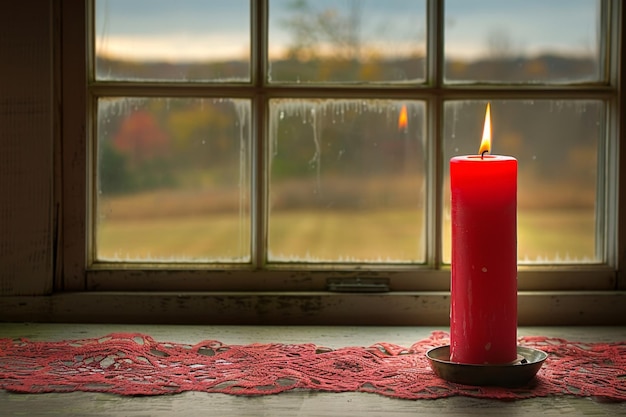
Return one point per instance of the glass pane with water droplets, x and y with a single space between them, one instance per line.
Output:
523 41
173 180
558 145
351 41
347 181
174 41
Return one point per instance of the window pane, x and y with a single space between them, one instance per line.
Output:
557 146
183 40
355 41
533 41
347 181
173 180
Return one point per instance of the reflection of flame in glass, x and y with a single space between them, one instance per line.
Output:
403 119
485 144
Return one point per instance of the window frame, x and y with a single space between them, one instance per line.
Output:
76 270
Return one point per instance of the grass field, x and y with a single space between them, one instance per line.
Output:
544 236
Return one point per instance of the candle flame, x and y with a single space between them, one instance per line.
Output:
403 118
485 144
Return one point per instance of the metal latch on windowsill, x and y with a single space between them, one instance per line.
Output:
358 284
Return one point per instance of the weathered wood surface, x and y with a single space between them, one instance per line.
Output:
295 403
26 154
321 308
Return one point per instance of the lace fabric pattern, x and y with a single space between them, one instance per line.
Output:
136 364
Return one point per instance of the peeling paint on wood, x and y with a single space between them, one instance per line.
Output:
320 308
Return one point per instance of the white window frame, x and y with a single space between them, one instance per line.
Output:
77 270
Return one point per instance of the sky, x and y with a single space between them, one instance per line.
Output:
219 29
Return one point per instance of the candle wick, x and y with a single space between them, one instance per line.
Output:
482 155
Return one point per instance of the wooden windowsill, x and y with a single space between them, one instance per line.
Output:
302 308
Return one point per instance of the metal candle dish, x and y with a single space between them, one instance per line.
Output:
513 374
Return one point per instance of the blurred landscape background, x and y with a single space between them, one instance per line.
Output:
347 178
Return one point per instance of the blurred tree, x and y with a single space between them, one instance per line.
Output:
113 175
312 30
141 138
327 45
332 44
137 157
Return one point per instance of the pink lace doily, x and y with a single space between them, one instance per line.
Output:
136 364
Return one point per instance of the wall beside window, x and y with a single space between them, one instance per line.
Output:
27 132
35 284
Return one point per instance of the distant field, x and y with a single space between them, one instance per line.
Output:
543 235
189 238
550 236
556 235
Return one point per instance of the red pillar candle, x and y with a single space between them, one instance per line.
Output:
483 315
